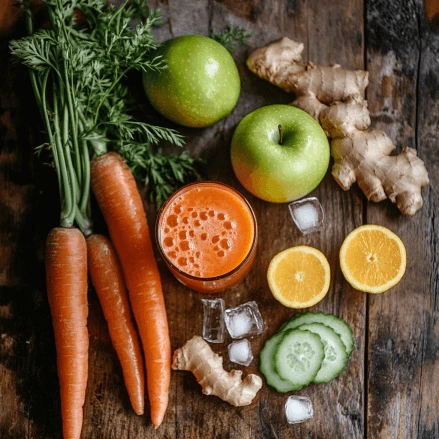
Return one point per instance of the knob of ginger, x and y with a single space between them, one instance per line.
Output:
197 357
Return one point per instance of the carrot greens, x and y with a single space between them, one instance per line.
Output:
231 37
78 70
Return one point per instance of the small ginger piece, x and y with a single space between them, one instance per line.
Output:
197 357
334 97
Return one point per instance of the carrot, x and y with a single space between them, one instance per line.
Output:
116 192
106 275
66 277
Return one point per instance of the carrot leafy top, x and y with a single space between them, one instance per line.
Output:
78 69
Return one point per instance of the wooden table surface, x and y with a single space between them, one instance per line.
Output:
390 386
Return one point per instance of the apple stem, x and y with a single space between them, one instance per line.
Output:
279 127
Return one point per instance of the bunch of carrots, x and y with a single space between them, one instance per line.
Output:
126 261
76 69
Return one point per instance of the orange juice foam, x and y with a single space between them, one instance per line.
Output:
207 230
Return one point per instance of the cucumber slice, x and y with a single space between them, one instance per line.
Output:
298 357
266 365
336 356
337 324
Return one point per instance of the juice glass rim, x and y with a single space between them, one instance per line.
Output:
221 276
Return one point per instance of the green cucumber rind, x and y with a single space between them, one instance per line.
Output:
334 322
266 365
329 370
316 362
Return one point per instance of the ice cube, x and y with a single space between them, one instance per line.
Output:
213 320
240 352
307 214
244 320
298 409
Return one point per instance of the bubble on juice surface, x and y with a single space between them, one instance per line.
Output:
225 244
211 213
184 246
197 223
221 216
173 221
229 225
172 254
182 261
182 234
178 209
215 239
221 253
185 220
194 214
203 236
168 241
191 233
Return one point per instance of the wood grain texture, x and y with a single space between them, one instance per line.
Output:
27 389
403 343
389 387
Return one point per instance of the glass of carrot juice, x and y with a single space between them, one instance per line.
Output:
206 233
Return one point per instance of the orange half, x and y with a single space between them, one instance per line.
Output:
299 277
372 259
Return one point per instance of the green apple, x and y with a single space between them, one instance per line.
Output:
279 153
200 85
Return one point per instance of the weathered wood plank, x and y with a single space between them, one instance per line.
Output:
25 327
403 330
428 140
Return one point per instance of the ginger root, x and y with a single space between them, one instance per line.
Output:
334 97
197 357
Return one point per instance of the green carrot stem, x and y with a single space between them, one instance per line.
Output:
28 14
85 189
73 123
66 195
83 222
52 139
74 184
